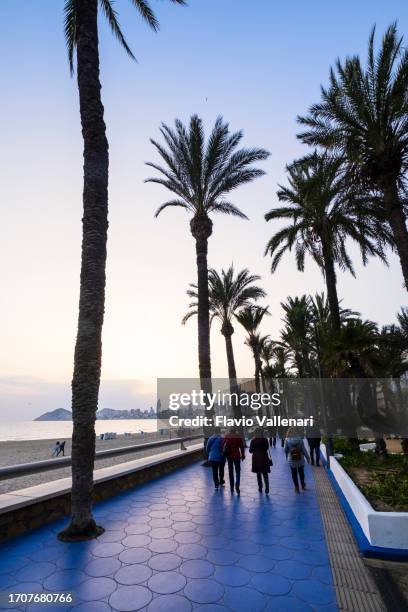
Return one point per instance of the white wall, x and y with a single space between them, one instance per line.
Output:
384 529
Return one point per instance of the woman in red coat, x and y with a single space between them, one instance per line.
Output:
261 461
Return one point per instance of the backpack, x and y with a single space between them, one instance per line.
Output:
296 453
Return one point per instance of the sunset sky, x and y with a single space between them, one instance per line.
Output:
258 64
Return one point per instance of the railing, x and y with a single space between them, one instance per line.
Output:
22 469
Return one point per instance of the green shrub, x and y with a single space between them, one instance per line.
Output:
388 478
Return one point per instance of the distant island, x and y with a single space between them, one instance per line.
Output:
62 414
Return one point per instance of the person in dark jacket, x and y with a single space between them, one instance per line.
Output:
233 449
261 461
314 446
216 458
277 433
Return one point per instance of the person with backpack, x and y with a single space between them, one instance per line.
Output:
215 457
233 449
261 459
296 454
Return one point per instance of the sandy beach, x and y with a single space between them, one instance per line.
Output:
27 451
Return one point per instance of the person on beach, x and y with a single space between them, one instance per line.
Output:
314 447
233 450
261 460
296 454
55 449
61 449
216 457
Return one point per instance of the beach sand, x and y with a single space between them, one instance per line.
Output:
27 451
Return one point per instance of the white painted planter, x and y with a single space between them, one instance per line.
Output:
383 529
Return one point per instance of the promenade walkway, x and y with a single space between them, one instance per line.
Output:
175 545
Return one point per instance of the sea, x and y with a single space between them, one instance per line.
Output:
46 430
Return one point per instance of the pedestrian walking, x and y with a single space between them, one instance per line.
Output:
314 447
296 454
233 449
216 457
61 449
261 459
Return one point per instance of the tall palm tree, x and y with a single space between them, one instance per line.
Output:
250 318
201 173
267 350
81 33
280 360
354 352
322 215
295 336
363 116
227 295
322 332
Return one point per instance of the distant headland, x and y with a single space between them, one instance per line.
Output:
62 414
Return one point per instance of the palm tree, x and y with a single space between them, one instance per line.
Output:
227 295
201 174
250 318
280 359
363 116
322 332
81 33
267 354
354 352
323 214
402 318
393 348
295 336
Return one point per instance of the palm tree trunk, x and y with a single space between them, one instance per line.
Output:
258 366
263 381
201 229
88 348
232 373
227 332
397 221
330 277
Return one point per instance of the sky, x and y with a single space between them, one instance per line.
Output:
259 64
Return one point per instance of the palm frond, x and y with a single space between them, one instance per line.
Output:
228 209
112 19
71 23
70 30
146 12
176 203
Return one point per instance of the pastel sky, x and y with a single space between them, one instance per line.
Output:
257 63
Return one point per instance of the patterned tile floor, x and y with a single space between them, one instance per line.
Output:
176 545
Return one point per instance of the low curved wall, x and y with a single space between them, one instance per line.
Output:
32 507
379 534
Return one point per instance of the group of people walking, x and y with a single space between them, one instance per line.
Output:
230 449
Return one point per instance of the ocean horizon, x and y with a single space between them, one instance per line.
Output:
50 430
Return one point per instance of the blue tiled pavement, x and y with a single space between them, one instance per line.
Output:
175 545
